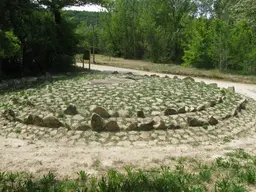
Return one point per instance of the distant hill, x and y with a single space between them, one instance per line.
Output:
83 16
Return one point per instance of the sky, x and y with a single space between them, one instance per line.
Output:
94 8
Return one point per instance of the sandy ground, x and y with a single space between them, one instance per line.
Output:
39 157
66 160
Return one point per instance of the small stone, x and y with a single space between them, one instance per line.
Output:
101 112
115 114
115 72
132 127
146 126
160 125
242 104
189 79
170 111
174 125
195 122
234 112
9 114
140 114
192 109
220 99
71 110
175 77
83 127
201 107
112 126
213 121
212 103
35 120
97 122
182 110
52 122
226 117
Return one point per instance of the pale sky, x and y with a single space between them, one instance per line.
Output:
93 8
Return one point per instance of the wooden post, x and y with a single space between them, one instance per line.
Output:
90 60
83 62
93 46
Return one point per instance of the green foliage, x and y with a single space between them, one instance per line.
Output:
9 44
203 33
34 39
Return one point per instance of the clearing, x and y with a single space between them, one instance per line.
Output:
99 121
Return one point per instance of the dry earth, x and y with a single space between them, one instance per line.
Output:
67 152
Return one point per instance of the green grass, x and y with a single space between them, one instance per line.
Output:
236 172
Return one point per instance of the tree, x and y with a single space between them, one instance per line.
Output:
245 10
197 52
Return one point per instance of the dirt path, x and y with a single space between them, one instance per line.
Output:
245 89
66 160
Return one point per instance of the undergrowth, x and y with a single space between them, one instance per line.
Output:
236 172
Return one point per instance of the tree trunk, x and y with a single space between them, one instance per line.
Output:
57 16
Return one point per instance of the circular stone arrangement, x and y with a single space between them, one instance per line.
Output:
121 110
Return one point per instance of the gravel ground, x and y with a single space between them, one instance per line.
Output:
67 148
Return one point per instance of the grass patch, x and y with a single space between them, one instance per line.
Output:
174 69
236 172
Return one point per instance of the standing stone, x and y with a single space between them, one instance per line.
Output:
140 114
174 125
97 122
115 114
132 127
146 126
170 111
52 122
71 110
234 112
195 122
9 114
182 110
213 121
192 109
189 79
201 107
112 126
212 103
35 120
101 112
242 104
160 125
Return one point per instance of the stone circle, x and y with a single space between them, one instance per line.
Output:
125 107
